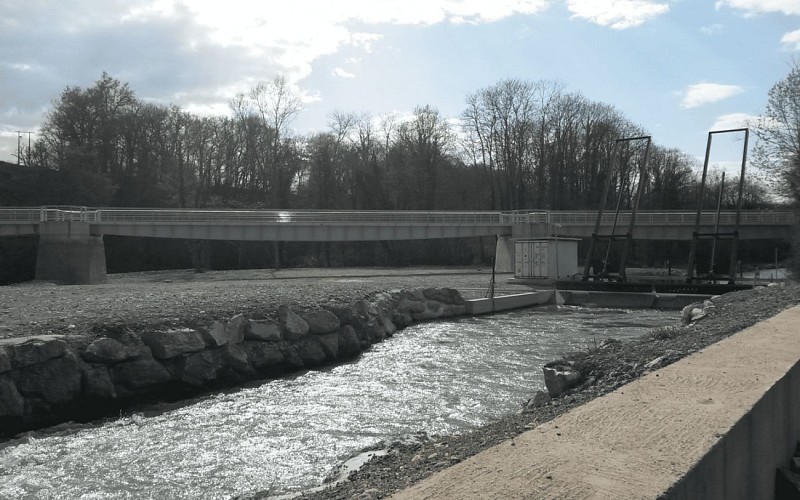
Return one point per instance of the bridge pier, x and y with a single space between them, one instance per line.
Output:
504 254
69 253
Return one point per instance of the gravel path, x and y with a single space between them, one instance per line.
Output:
611 366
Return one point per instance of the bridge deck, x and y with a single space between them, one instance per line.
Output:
339 225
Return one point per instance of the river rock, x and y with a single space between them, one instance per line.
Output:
34 350
348 341
12 403
5 361
559 379
167 344
343 313
140 373
310 351
221 333
199 368
107 350
294 326
321 322
264 330
97 382
444 295
262 355
58 381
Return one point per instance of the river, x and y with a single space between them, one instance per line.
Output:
286 435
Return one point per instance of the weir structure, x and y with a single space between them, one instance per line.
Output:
71 248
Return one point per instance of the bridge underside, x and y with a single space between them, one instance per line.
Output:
299 232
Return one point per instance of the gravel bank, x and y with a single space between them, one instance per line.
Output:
185 297
611 365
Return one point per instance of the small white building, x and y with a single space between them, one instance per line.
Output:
551 258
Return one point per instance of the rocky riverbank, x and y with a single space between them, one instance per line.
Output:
46 379
601 370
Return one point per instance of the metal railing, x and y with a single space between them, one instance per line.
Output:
658 218
21 215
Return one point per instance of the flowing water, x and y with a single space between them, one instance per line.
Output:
286 435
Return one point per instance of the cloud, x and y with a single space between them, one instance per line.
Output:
617 14
735 120
342 73
791 40
707 93
752 7
713 29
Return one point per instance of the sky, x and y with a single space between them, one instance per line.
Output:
677 68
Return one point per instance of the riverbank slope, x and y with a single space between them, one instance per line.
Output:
605 368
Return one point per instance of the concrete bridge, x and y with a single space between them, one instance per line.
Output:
71 245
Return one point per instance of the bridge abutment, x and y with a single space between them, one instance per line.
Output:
70 254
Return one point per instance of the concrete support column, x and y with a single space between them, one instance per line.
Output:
504 254
70 254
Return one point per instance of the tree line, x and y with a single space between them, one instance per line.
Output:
517 145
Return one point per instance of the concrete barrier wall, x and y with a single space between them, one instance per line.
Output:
714 425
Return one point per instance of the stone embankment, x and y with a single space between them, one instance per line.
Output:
46 379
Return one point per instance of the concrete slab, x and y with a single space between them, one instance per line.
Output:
716 424
508 302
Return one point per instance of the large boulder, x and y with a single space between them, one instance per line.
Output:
310 351
12 403
330 345
58 381
433 310
264 330
263 355
235 356
34 350
559 378
321 322
140 373
348 342
172 343
199 368
107 350
343 313
294 326
5 361
97 382
221 333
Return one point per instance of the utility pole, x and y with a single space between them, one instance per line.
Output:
19 147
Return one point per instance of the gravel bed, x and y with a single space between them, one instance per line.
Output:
611 365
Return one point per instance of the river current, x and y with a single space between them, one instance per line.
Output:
286 435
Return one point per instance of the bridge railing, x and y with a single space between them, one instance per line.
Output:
13 215
660 218
126 216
